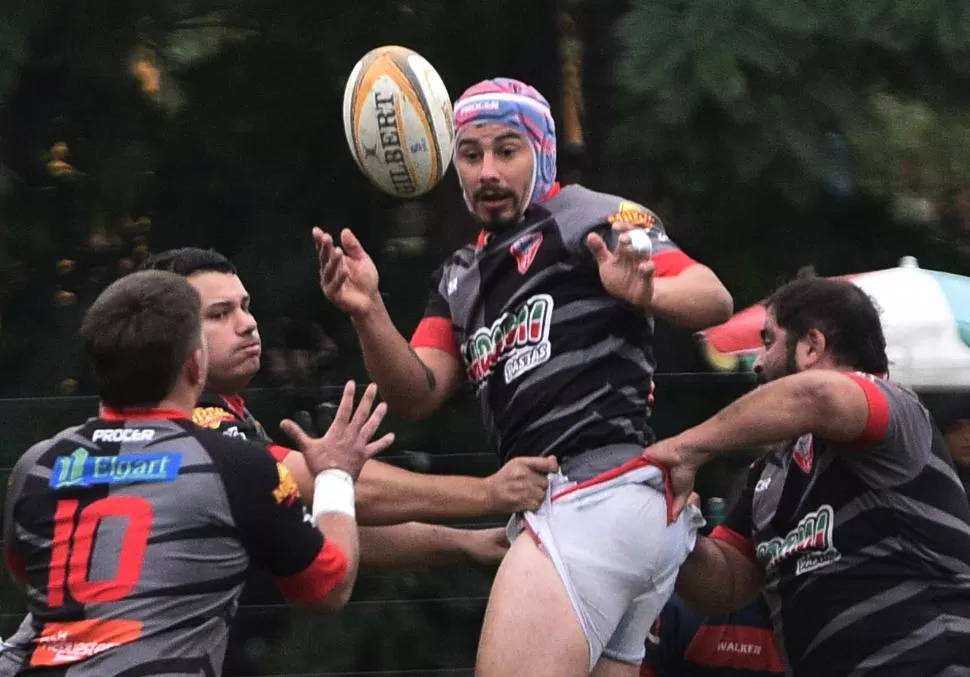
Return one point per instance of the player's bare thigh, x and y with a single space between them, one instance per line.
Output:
530 627
607 667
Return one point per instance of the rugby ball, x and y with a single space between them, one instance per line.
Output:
398 121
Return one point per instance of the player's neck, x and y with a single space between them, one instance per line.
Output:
181 399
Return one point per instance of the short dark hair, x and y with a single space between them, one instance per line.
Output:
188 260
842 312
138 334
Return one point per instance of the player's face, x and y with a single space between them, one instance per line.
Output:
958 442
495 164
778 357
231 334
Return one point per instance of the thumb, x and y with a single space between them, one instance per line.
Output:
351 244
295 433
677 507
598 248
543 464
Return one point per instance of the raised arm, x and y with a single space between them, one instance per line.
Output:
414 381
665 282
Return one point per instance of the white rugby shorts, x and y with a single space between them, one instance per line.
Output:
611 542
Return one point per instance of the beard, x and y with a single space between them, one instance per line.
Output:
498 218
767 374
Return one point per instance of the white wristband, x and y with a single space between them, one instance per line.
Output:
333 491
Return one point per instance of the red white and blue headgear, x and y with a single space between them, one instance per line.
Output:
511 102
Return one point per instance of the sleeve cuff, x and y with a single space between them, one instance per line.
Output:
278 452
436 332
671 263
742 544
315 582
877 422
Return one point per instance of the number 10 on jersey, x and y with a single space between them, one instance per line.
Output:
74 541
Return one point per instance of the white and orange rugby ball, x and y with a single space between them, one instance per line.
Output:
398 121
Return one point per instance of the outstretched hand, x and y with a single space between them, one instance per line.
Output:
348 276
347 443
626 274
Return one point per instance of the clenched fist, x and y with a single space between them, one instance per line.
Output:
521 484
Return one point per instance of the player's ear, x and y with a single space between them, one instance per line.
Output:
197 366
815 344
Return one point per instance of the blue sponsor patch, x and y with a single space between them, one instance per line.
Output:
81 469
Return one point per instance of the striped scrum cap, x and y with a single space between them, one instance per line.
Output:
518 105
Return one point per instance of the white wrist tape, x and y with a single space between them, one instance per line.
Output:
640 242
333 491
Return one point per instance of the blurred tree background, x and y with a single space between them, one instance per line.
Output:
769 135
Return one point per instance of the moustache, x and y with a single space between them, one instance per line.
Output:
492 194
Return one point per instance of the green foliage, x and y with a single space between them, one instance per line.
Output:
745 94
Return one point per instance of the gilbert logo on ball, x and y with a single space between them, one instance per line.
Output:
398 121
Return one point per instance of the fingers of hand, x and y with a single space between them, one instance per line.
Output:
369 428
351 243
646 269
332 265
364 407
680 502
346 406
598 248
295 433
376 447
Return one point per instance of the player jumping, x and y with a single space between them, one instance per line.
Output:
552 326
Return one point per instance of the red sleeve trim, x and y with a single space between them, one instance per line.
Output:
16 565
671 263
278 452
436 332
315 582
878 422
647 671
742 544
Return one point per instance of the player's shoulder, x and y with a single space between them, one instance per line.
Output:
246 466
52 446
230 451
580 207
898 397
212 411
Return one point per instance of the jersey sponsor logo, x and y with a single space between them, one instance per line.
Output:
81 469
810 540
286 492
734 646
519 338
524 250
632 214
63 643
211 417
803 453
123 435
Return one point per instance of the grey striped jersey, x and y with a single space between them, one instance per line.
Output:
132 537
559 365
865 546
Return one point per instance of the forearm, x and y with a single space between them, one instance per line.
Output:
780 411
341 531
694 299
405 382
708 583
390 495
411 545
